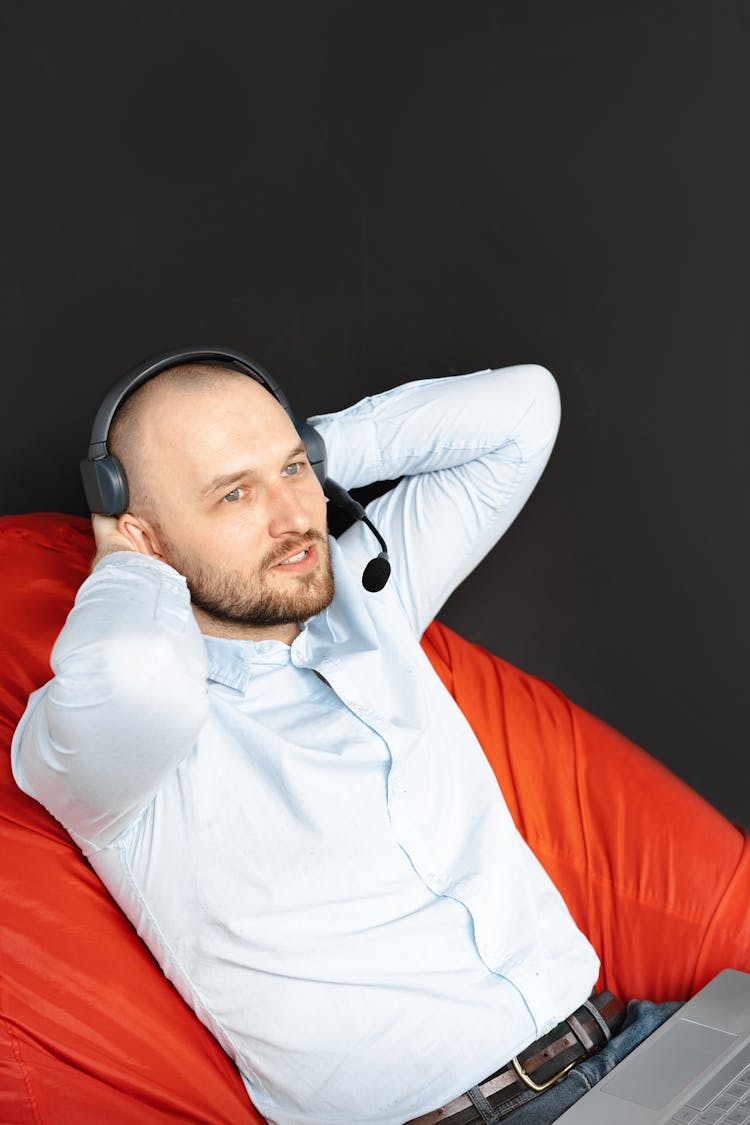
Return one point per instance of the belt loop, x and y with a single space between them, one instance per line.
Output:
599 1019
482 1106
582 1034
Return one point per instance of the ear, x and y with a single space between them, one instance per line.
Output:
140 533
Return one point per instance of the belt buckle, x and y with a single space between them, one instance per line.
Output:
538 1087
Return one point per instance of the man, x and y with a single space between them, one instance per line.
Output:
261 765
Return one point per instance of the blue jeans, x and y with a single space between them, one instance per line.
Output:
641 1019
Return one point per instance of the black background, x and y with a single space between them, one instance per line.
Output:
360 194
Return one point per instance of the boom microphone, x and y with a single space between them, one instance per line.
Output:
378 570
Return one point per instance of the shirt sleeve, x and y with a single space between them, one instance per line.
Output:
471 449
127 701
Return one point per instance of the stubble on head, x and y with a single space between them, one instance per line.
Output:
228 600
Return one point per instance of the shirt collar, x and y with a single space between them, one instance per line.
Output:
346 624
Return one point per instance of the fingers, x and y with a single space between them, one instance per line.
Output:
109 538
109 535
124 533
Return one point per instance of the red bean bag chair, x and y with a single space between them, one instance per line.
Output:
90 1030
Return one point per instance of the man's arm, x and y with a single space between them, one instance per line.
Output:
128 698
471 448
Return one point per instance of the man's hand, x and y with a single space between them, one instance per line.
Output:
109 538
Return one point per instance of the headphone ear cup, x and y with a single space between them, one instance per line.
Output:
105 485
316 448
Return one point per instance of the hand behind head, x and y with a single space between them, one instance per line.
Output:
119 533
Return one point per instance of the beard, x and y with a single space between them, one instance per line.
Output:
238 598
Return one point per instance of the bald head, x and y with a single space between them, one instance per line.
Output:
143 420
222 490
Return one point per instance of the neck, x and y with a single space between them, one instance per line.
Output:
236 630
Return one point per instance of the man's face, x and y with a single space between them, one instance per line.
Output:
239 511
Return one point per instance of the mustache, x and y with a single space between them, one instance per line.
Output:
292 547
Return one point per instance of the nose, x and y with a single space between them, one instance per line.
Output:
287 514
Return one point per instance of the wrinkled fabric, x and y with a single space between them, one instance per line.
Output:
308 836
657 879
91 1032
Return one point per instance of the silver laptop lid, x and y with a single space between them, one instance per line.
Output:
681 1073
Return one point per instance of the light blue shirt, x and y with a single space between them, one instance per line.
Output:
309 837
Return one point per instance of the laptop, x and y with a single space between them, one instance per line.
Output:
693 1070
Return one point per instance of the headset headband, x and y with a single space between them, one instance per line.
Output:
104 479
151 367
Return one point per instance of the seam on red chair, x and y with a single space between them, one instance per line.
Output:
23 1074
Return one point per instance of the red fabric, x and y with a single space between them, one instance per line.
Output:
90 1030
655 877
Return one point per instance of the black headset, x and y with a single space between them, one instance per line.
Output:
104 480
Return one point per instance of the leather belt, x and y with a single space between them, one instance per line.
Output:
539 1066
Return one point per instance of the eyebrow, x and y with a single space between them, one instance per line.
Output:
238 474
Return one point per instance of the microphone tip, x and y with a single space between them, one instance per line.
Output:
376 574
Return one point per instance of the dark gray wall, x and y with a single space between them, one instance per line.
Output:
359 194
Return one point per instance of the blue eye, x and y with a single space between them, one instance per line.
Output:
294 469
232 496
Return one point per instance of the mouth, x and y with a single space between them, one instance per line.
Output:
300 562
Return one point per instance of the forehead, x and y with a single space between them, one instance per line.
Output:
193 427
